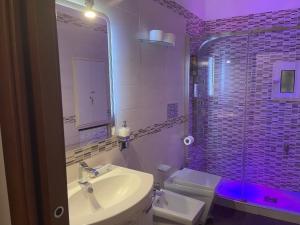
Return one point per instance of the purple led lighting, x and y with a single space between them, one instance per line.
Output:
216 9
260 195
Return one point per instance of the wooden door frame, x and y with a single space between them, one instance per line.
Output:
31 112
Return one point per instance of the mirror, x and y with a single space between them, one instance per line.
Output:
84 57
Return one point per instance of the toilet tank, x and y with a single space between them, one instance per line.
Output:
193 182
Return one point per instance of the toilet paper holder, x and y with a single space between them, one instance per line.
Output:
188 140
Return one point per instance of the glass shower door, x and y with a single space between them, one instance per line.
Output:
244 135
222 77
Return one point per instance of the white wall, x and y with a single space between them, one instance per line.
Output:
218 9
146 78
4 204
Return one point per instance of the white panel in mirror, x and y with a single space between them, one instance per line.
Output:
91 93
286 81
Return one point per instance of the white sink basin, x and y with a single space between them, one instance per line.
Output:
114 193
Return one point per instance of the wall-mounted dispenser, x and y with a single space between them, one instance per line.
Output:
124 136
286 81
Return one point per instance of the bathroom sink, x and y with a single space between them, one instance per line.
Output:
115 195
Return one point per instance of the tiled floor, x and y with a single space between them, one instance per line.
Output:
227 216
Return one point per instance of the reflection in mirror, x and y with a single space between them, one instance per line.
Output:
85 77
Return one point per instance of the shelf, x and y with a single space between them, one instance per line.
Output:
162 43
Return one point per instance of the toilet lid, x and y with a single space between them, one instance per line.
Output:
198 179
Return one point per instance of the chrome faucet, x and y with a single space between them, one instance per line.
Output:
88 187
84 168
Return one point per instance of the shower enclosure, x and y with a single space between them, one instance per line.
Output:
242 134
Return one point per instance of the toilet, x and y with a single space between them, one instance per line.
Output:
195 184
170 208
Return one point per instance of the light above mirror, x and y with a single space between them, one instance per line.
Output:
89 13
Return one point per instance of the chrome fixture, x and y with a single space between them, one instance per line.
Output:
89 4
157 186
87 186
84 168
124 143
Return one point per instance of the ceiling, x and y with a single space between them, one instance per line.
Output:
218 9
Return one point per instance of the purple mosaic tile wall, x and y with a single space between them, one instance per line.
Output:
235 122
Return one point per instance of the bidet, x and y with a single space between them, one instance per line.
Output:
174 209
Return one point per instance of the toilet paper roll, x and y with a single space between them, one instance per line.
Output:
156 35
188 140
169 38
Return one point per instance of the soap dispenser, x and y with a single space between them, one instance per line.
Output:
124 136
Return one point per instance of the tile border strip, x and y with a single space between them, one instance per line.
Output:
81 153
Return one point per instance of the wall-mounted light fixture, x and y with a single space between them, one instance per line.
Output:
89 12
